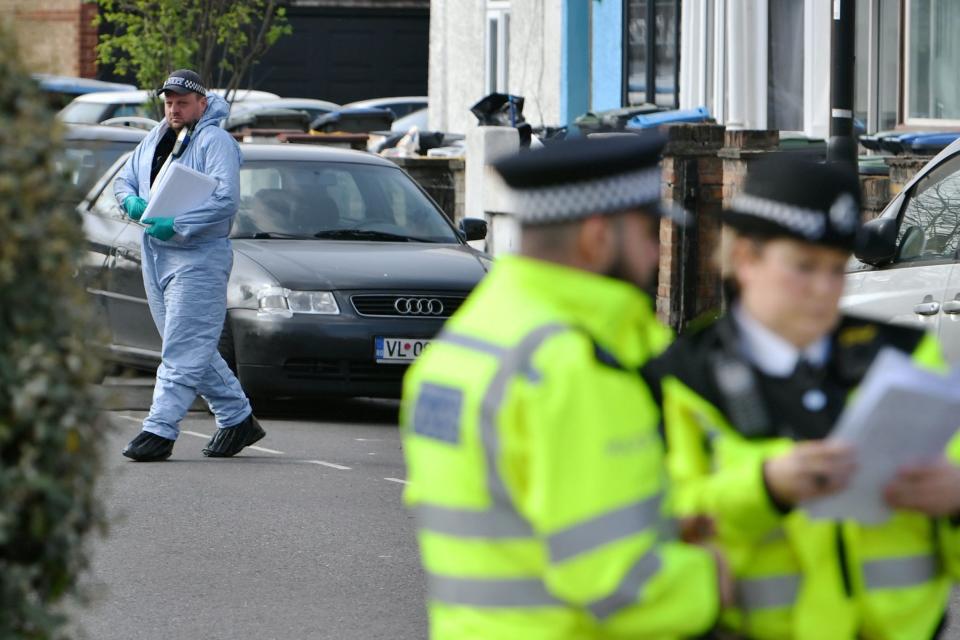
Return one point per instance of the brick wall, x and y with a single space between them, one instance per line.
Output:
54 36
689 282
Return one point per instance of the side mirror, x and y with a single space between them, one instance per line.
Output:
473 228
877 242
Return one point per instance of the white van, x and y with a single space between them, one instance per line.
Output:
907 270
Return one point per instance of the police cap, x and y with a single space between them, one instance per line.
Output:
786 196
183 81
577 178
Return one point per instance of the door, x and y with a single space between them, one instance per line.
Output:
950 322
134 337
914 288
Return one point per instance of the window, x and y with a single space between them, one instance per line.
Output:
498 46
878 64
932 58
930 227
785 66
652 38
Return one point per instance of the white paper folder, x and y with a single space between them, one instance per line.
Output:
178 190
900 415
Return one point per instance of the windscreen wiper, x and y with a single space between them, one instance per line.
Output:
365 234
270 235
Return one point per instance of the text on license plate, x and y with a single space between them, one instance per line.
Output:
399 349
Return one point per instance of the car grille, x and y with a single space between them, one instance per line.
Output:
384 305
343 370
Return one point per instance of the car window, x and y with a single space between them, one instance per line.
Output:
106 203
84 161
338 201
127 110
83 112
930 223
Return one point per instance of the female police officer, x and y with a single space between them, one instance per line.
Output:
748 401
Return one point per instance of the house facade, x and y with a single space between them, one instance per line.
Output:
755 64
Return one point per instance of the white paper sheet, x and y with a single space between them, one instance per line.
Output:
178 190
900 415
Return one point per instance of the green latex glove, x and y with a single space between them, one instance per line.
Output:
134 206
159 228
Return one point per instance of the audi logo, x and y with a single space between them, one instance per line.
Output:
418 306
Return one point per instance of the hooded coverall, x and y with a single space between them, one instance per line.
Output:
186 278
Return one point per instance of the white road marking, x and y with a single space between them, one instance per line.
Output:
252 446
137 420
397 480
328 464
367 439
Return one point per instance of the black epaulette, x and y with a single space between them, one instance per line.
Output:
858 341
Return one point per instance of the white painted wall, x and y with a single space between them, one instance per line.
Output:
457 60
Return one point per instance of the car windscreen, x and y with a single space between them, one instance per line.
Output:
335 201
84 161
83 112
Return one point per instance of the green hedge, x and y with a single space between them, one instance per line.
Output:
49 429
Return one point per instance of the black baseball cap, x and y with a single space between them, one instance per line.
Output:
183 81
577 178
817 203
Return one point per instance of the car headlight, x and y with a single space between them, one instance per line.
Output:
285 302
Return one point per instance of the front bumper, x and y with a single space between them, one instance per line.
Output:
320 354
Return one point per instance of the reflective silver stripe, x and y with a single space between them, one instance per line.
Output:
514 361
767 593
628 591
893 573
495 522
497 592
472 343
609 527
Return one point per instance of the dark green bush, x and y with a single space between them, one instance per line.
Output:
49 427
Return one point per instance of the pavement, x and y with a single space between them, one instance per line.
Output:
302 536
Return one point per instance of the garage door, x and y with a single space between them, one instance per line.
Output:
344 55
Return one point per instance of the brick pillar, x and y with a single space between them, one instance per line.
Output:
88 40
876 195
442 178
740 149
902 169
689 283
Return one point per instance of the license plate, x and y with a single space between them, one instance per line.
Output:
399 349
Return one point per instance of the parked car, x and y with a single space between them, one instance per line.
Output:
399 106
344 269
60 90
94 108
907 269
313 108
90 149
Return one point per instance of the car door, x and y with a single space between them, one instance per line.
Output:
913 288
950 322
133 334
101 226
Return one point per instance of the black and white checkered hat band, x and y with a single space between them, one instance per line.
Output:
809 223
189 85
570 201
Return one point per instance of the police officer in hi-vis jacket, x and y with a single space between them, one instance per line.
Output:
535 463
748 402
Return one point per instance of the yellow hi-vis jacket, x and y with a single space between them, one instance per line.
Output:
536 469
798 578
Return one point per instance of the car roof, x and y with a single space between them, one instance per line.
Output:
72 84
288 103
140 96
309 152
387 101
103 132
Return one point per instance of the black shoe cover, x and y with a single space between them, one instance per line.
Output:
228 441
148 447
